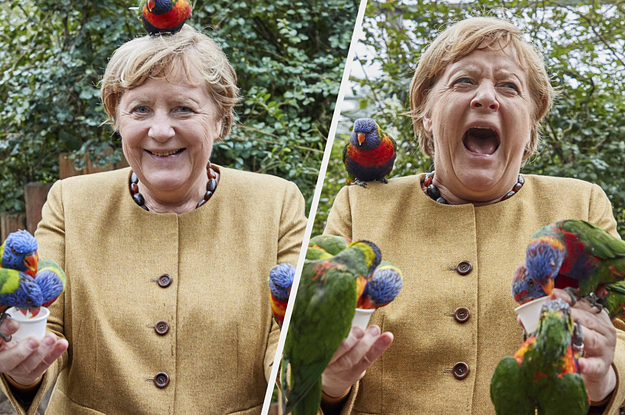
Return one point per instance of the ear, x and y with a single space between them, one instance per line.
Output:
218 124
427 123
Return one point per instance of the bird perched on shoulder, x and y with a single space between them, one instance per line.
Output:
19 252
51 280
370 153
543 374
164 16
280 282
579 257
383 286
20 291
321 319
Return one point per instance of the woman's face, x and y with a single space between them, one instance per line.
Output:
168 127
480 118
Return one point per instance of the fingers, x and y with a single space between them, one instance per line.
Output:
44 356
56 351
382 343
352 358
14 356
355 334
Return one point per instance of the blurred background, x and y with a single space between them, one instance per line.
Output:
583 45
289 57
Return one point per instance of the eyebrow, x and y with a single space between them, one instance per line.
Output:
473 70
134 102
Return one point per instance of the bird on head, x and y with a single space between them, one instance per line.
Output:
164 16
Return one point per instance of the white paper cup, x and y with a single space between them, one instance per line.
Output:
530 313
361 318
35 326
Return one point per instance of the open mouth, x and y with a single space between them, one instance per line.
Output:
481 140
165 154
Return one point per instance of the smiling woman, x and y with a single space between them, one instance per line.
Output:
458 234
167 261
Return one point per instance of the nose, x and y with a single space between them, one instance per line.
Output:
485 98
161 128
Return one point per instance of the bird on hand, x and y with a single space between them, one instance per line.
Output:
19 252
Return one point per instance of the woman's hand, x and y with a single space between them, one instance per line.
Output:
353 357
599 345
27 361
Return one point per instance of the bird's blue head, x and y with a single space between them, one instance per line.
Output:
524 288
280 281
50 284
19 252
543 259
366 134
27 296
159 6
384 285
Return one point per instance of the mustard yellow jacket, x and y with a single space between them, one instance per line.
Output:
427 240
220 340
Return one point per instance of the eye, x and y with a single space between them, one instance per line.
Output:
13 250
510 85
140 109
468 81
29 301
530 283
184 109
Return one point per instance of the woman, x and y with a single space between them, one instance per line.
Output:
458 234
166 309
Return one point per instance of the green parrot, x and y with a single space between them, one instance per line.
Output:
544 374
321 319
329 243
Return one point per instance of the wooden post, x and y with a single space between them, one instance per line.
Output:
36 195
66 167
10 222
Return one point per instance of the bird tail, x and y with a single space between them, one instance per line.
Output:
309 405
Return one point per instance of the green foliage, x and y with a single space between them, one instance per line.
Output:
289 58
584 134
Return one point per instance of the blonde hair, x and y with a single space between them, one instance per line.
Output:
458 41
155 57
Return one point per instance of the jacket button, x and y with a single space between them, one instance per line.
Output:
461 370
164 280
464 267
461 314
162 379
161 327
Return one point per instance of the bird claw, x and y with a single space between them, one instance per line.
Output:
573 294
594 301
578 338
359 182
383 180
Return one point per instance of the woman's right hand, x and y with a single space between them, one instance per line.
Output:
27 361
352 359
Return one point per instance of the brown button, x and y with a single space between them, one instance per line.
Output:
164 280
464 267
161 380
461 314
461 370
161 327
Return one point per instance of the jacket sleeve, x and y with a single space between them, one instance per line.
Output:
290 238
51 243
600 214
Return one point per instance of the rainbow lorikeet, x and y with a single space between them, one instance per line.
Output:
370 153
525 289
382 287
19 252
321 319
579 257
543 374
280 282
164 16
329 243
51 280
18 290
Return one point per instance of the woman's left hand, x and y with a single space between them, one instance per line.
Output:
599 345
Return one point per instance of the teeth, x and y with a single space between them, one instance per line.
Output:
164 154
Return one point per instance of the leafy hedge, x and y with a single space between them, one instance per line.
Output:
584 134
288 55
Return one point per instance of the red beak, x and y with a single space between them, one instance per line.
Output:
34 311
31 261
151 5
361 138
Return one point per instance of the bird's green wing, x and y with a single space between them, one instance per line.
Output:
600 243
565 395
508 389
49 264
9 281
330 243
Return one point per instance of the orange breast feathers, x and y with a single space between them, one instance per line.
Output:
523 349
172 18
278 308
379 156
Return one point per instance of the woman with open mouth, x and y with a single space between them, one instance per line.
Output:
167 307
458 234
